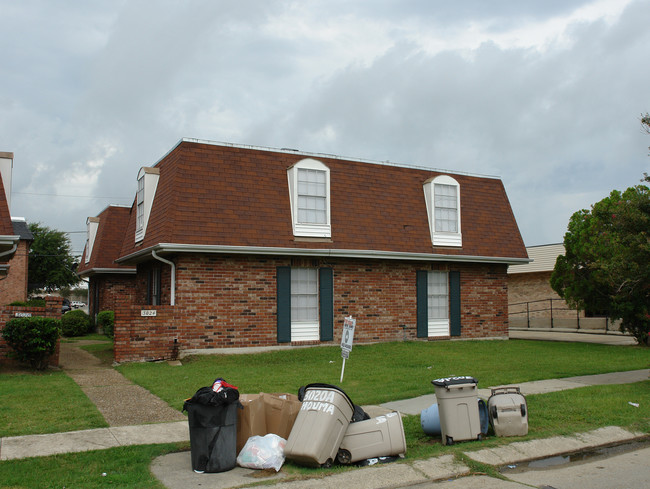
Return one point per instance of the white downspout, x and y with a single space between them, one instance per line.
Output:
9 252
172 301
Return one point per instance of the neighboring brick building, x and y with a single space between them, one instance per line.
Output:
108 282
15 239
239 246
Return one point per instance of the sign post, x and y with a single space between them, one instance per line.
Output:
346 340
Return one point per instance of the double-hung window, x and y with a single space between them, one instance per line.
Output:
309 196
147 184
305 302
442 195
437 303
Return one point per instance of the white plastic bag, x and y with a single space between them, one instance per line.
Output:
263 452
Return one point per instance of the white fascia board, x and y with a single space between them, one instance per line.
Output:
334 253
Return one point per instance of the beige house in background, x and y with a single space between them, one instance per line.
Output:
529 288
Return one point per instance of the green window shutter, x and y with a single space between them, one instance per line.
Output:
283 275
454 304
326 290
422 304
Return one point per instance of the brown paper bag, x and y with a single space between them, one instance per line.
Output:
280 412
251 420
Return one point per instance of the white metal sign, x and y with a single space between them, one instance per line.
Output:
148 312
346 340
348 333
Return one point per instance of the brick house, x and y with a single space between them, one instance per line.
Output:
238 246
109 283
15 239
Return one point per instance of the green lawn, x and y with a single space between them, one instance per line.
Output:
388 371
44 402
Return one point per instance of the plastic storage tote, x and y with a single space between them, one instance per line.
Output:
508 412
382 436
213 436
457 399
319 427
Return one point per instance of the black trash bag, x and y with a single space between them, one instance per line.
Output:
357 415
212 418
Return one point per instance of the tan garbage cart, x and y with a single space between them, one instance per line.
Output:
320 426
457 399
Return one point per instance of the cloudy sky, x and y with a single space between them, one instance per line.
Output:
547 95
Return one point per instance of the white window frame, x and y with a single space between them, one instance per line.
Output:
309 229
92 224
437 326
305 293
442 238
147 185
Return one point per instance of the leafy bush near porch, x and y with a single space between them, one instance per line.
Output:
29 303
106 321
32 339
75 323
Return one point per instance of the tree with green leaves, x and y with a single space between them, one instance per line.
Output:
606 266
51 263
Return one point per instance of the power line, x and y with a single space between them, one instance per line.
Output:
65 195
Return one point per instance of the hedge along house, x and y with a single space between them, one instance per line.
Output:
240 246
109 283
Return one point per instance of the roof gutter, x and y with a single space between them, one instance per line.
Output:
172 300
115 271
333 253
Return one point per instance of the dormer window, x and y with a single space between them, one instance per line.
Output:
309 194
147 184
442 196
92 223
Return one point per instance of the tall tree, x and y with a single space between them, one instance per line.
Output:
606 267
51 263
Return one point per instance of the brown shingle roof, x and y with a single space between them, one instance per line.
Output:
108 241
211 194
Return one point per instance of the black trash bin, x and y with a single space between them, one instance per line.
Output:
213 432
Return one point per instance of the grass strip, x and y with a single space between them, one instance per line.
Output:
44 402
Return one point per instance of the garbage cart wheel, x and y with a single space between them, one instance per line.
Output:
449 440
344 456
327 464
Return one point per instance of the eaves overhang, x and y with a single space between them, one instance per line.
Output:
169 248
107 271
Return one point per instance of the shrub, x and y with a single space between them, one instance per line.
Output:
106 321
29 303
75 323
32 339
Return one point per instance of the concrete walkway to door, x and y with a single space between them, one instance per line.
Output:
120 401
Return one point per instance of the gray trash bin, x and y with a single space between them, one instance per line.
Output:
320 426
508 412
457 399
382 436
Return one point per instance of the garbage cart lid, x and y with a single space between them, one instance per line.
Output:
447 381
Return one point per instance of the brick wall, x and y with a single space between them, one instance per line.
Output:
536 289
230 301
14 286
52 309
105 292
